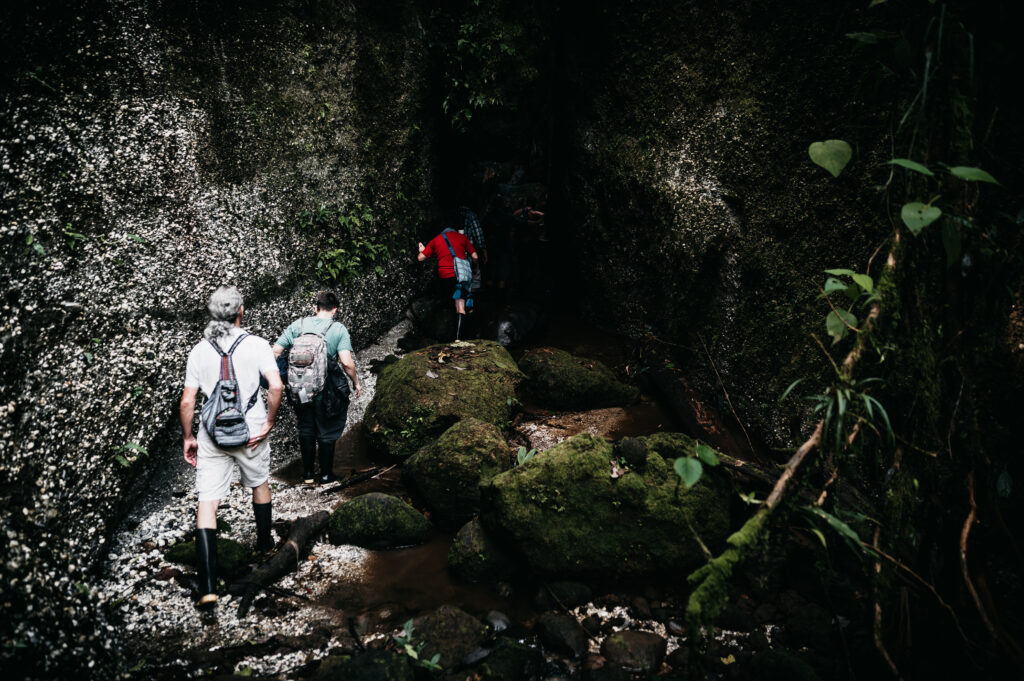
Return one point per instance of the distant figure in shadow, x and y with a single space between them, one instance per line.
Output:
454 269
226 365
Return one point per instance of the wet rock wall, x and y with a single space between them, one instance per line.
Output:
150 151
695 210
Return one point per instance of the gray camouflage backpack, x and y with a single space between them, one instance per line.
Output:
222 414
307 363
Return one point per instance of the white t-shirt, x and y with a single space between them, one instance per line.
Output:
251 358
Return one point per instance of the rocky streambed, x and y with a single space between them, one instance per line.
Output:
466 555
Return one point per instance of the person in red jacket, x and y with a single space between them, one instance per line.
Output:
462 248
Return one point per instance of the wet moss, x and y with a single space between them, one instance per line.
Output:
429 390
567 516
377 521
447 474
559 380
231 556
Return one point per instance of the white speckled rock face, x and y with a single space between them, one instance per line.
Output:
149 153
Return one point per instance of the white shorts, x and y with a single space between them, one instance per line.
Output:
215 468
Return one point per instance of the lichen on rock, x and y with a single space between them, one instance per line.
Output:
557 379
447 473
429 390
377 521
568 516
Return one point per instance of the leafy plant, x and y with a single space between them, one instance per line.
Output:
408 646
522 456
845 405
691 468
127 453
350 248
860 288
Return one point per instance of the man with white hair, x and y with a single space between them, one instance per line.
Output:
229 356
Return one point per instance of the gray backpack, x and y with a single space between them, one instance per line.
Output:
307 363
222 414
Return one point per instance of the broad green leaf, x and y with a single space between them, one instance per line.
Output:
911 165
840 272
835 327
689 470
916 216
837 525
864 281
972 174
707 455
121 460
951 241
832 155
832 285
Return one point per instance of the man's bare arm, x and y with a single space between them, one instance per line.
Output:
274 391
186 411
349 366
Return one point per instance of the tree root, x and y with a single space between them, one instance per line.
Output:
281 563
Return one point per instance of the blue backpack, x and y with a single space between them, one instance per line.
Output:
222 414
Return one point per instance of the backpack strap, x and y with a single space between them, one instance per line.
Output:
227 367
322 334
450 249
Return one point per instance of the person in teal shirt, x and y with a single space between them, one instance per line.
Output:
322 420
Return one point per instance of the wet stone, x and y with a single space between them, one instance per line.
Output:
562 634
475 557
451 632
635 650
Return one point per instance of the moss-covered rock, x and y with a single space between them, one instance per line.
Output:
567 516
559 380
373 665
447 473
475 557
377 521
670 445
231 556
429 390
449 631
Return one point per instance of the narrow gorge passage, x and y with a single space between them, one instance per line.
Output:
738 398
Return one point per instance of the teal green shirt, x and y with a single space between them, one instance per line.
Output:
336 337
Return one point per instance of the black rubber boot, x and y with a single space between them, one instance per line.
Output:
206 559
264 540
326 462
307 445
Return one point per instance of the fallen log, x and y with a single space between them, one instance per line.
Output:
281 563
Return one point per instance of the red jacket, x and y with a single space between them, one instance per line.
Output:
437 248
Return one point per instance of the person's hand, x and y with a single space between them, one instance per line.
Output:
259 437
420 246
359 390
483 256
191 448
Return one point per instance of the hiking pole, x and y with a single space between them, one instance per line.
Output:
458 325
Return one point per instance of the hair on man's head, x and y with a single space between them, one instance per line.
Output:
326 300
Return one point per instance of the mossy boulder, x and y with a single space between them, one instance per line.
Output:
670 445
449 631
377 521
429 390
447 473
475 557
559 380
568 516
232 557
